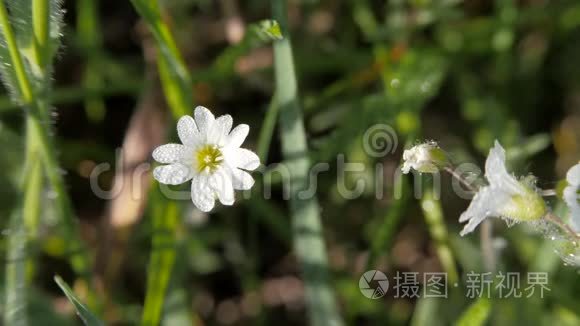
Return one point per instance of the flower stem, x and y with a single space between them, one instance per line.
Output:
486 238
41 24
458 177
176 83
307 228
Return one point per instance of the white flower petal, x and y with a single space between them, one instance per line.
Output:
187 131
220 146
220 130
221 183
202 195
224 123
570 195
478 210
204 119
488 202
172 174
237 136
241 179
406 168
169 153
497 174
573 175
242 158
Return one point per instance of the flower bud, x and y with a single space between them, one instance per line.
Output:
425 158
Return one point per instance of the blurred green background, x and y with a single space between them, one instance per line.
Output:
463 73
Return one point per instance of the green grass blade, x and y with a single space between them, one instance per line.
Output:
174 75
165 217
32 203
89 35
309 244
177 87
88 318
37 129
14 60
267 131
179 103
382 238
16 302
425 313
434 217
41 25
476 314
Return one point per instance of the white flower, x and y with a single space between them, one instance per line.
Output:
504 197
210 157
571 195
426 158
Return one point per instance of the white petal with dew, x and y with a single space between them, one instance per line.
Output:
187 131
204 119
237 136
220 130
169 153
173 174
242 158
571 199
202 195
221 183
497 174
482 206
573 175
241 180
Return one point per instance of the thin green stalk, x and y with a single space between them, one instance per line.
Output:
24 86
307 230
165 218
267 130
90 39
434 216
174 75
33 185
32 206
178 104
78 258
88 318
382 238
16 303
37 129
176 83
41 27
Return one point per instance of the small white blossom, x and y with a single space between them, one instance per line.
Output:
504 197
210 156
571 195
425 158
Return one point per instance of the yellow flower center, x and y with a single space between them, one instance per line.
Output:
209 158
